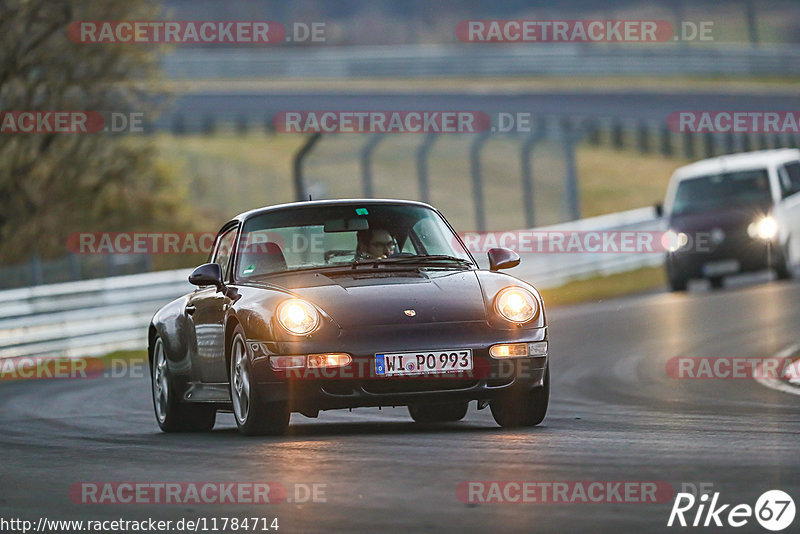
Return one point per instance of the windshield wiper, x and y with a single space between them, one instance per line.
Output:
433 259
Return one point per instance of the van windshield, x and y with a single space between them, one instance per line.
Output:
715 191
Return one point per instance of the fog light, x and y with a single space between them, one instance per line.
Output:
518 350
509 350
538 348
328 360
287 362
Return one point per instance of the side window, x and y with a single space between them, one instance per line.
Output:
789 176
222 254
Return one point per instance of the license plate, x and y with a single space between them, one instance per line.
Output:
717 268
423 362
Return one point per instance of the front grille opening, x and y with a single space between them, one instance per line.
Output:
415 385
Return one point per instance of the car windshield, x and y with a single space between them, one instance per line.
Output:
347 236
716 191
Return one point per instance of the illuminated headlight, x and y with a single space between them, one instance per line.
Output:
298 317
765 228
673 241
516 305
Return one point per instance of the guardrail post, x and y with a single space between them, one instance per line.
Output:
763 143
74 267
688 145
477 184
617 134
299 183
422 166
528 198
643 137
209 124
666 141
36 269
745 142
178 125
708 143
572 208
730 143
366 164
242 124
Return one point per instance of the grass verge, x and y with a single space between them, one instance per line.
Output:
603 287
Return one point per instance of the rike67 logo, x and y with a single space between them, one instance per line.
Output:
774 510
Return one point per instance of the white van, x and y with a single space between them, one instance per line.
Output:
734 214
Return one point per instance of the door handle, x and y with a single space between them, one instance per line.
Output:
190 309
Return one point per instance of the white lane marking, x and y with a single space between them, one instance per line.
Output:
774 383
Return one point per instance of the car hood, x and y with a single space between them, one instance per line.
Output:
390 297
727 219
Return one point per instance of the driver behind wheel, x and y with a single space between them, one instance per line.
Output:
375 244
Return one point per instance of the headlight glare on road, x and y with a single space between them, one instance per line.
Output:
516 305
765 228
298 317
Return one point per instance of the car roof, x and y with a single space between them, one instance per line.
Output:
734 162
334 202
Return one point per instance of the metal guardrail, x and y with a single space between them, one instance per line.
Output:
93 317
467 59
85 318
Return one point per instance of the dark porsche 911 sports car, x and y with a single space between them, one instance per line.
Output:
323 305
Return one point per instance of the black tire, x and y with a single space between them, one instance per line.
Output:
172 415
438 413
254 417
783 267
717 282
678 284
677 281
526 408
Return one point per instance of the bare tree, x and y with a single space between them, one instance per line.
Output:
53 184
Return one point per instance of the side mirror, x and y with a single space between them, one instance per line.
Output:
659 207
502 258
208 274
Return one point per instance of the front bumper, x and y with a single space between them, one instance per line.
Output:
357 385
750 255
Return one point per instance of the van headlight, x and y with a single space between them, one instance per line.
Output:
673 241
297 317
516 305
765 228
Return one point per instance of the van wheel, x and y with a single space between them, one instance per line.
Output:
717 282
677 282
783 267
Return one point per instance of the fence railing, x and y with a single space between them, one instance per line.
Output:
92 317
564 59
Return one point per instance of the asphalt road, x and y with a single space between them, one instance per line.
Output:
261 106
615 416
